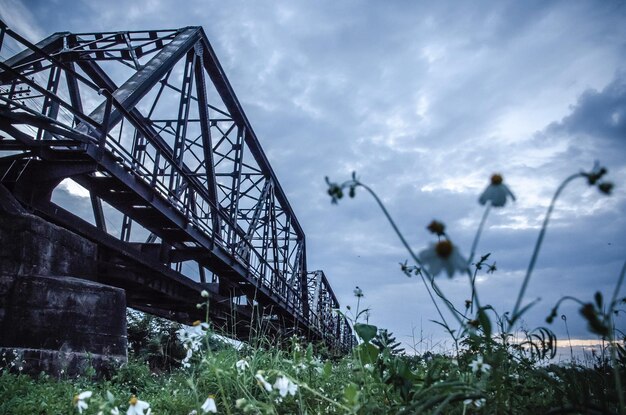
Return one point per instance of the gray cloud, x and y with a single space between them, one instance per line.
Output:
600 114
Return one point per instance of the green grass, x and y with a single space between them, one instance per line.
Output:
380 383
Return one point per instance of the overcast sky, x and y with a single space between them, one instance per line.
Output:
425 100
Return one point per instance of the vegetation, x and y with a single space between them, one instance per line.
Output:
189 370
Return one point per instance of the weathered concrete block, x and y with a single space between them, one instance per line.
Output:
60 324
30 245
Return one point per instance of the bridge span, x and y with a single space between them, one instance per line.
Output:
182 197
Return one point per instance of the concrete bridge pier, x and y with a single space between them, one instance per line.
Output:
61 325
52 317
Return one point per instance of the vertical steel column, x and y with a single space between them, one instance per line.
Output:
50 108
233 209
182 119
98 213
276 282
207 145
74 91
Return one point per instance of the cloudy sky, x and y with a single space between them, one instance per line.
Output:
425 100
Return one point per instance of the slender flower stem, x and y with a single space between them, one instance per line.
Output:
533 259
225 402
440 294
618 286
571 349
473 251
478 233
474 293
618 382
415 258
570 298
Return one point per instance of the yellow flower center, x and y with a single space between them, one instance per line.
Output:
133 400
496 179
443 249
76 399
211 396
196 323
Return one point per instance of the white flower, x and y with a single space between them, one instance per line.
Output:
300 367
191 337
477 402
284 386
443 255
193 333
79 400
496 192
209 405
204 294
187 358
262 382
136 407
554 376
358 292
242 365
198 329
479 365
115 411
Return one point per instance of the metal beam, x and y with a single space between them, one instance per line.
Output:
139 84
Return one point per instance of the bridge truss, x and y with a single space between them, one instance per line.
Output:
148 124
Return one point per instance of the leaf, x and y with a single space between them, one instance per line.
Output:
351 395
328 369
365 331
595 325
367 353
598 298
485 323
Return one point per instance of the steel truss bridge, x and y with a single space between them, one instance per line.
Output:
148 124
